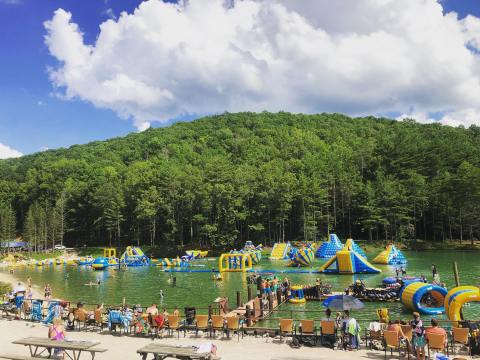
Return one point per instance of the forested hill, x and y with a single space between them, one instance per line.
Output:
221 180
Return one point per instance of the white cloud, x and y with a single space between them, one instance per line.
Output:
7 152
352 56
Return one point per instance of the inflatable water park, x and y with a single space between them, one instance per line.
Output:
329 248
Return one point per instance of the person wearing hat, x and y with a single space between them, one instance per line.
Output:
418 336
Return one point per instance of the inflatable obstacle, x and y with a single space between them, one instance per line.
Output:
457 297
240 262
280 251
354 246
329 248
347 261
390 256
296 295
427 299
134 256
85 260
175 262
108 259
197 254
301 257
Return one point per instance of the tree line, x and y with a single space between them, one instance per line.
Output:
221 180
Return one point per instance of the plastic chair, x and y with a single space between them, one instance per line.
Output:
307 327
286 327
328 329
233 324
174 324
407 331
460 336
217 324
437 342
201 323
99 319
392 342
81 318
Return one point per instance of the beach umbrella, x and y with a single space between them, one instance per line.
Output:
343 302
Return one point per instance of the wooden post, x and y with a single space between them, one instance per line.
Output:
239 299
270 302
210 311
248 316
279 296
455 272
259 286
249 293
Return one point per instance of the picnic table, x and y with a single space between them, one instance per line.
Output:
160 351
39 345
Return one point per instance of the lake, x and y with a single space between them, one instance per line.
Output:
142 285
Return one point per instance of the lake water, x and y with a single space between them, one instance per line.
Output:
143 285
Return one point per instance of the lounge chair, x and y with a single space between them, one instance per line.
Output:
286 328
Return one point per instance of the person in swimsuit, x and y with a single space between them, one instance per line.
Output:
56 331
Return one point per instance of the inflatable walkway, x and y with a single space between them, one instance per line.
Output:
427 299
280 251
457 297
329 248
347 261
390 256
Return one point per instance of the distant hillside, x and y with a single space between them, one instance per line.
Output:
221 180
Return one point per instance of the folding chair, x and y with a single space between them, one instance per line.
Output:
286 327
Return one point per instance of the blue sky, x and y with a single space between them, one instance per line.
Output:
31 118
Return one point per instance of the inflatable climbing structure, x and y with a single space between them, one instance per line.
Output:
347 261
390 256
280 251
354 246
329 248
427 299
457 297
134 256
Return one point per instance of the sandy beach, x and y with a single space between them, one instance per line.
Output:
125 347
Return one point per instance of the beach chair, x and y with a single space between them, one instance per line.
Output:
233 324
307 328
460 336
392 342
436 342
99 321
174 325
217 324
328 333
201 323
286 328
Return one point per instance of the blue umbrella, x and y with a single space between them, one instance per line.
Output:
343 302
